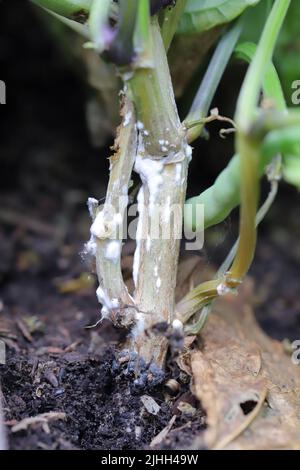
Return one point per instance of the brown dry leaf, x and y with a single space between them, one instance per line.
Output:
246 383
42 419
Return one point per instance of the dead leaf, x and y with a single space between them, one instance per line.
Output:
42 419
246 383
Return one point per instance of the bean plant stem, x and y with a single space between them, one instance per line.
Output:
162 144
247 147
211 80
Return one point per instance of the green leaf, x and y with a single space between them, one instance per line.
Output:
77 10
291 170
271 83
288 50
202 15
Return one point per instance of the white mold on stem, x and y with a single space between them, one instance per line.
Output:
177 325
127 118
90 247
178 169
92 204
222 289
188 152
108 304
113 250
150 172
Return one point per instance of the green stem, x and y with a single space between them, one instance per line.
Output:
153 97
211 80
248 148
170 20
77 10
249 95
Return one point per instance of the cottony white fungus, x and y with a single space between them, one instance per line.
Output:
188 152
177 325
150 173
222 289
107 303
148 243
92 204
139 125
113 250
102 228
90 247
177 172
127 118
167 210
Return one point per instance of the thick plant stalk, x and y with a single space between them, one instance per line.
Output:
156 259
161 162
107 227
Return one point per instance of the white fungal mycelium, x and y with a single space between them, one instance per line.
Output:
98 228
118 219
178 168
164 145
92 204
107 303
113 250
177 325
167 210
127 118
103 227
222 289
139 126
188 152
148 243
150 173
158 282
139 234
90 248
139 325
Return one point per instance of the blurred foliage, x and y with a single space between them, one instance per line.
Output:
202 15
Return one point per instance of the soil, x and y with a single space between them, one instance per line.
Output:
47 297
